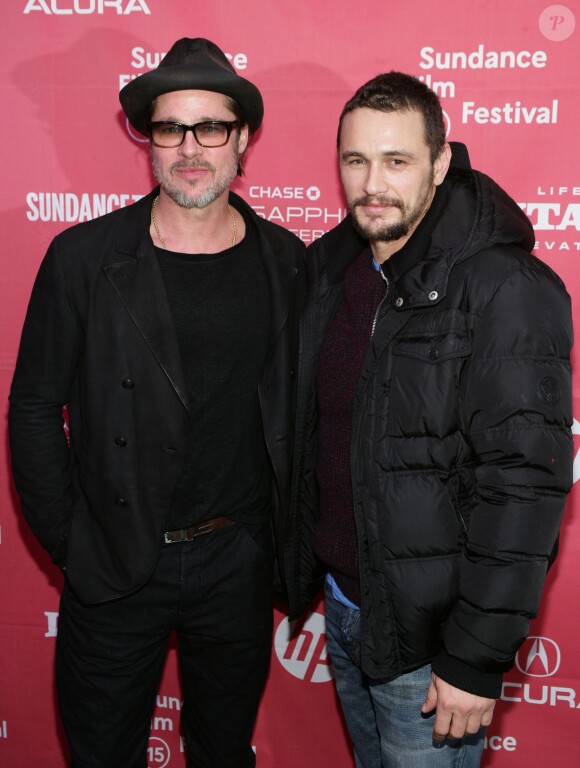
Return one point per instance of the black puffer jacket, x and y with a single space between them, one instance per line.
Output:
461 448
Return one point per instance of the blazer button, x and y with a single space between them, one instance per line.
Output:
127 383
121 441
120 501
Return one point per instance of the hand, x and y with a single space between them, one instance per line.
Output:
457 712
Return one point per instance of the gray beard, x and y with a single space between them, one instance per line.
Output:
201 200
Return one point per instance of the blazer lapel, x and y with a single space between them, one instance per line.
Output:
137 279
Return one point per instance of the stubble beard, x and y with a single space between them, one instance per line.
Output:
388 232
183 197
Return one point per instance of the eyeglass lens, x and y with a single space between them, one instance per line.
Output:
207 134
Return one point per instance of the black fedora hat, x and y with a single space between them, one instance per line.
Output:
196 64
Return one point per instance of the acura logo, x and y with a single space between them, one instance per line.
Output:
538 657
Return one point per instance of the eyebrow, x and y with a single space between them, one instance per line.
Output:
390 153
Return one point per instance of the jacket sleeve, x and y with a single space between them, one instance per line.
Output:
47 359
516 396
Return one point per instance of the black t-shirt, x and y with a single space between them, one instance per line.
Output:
221 311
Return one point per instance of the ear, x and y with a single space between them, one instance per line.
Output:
441 165
243 140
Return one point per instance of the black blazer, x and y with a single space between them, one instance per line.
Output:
99 338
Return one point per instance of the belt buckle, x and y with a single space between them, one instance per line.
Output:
188 534
169 539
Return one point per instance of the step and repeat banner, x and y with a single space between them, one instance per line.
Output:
507 75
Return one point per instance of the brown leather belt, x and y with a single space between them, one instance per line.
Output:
187 534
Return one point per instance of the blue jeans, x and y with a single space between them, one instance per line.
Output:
384 719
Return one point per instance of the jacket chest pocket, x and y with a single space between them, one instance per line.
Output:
424 389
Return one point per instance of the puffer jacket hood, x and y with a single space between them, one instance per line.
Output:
480 215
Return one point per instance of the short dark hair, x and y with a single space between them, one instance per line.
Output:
397 92
232 105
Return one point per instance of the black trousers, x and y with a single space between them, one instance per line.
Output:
215 592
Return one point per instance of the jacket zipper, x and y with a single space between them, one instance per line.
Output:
356 421
376 317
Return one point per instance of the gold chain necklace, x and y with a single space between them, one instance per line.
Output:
162 240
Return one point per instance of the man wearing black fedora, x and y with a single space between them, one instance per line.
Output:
168 329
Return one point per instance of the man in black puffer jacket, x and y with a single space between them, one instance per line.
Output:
434 451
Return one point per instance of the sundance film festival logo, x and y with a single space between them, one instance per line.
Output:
538 657
304 653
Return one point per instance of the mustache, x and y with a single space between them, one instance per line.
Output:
183 164
376 200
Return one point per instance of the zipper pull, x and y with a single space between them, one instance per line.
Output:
376 317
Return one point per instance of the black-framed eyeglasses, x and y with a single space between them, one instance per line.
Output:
208 133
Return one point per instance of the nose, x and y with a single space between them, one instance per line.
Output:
189 147
374 182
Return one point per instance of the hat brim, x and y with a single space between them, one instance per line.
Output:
138 94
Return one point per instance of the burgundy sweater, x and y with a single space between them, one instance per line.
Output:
337 374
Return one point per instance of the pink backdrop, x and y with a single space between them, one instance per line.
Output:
507 76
